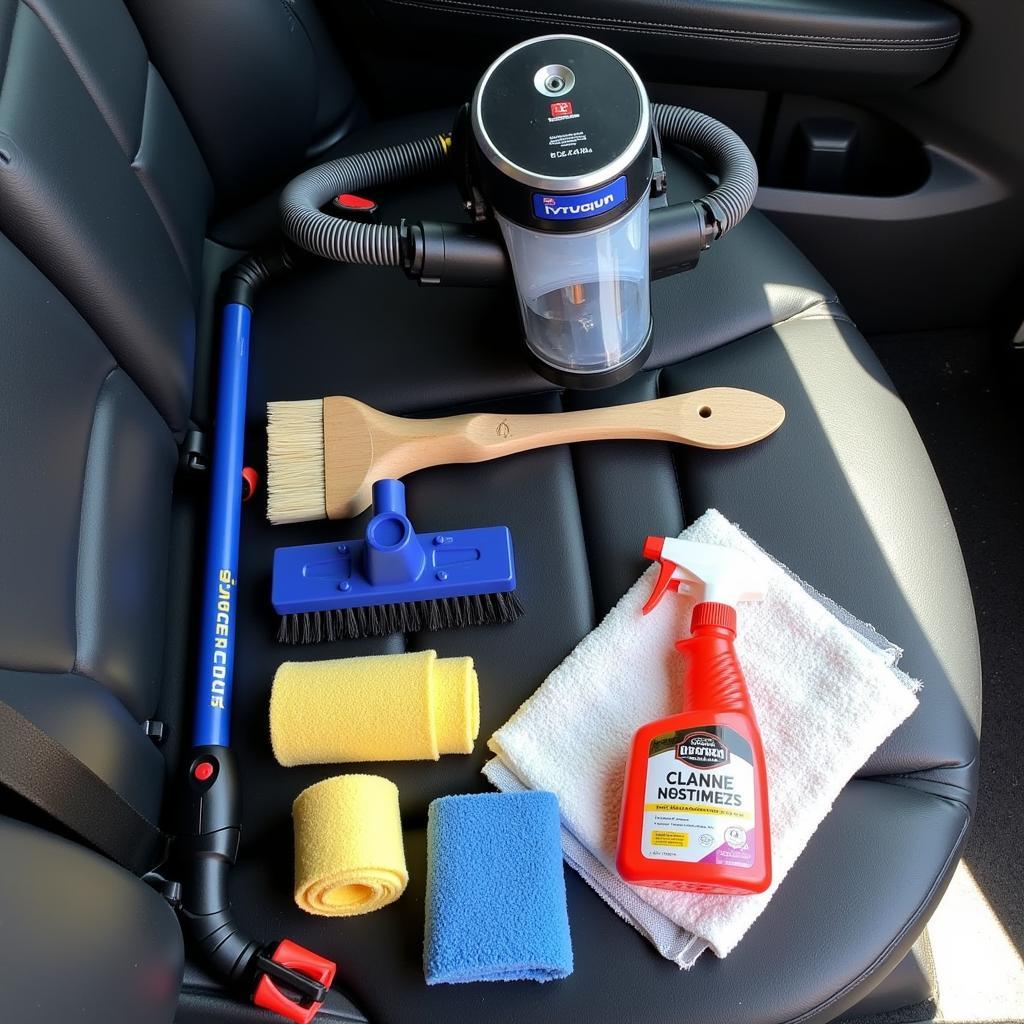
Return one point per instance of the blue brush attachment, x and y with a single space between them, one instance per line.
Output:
395 580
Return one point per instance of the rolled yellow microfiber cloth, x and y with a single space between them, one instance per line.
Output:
394 707
348 846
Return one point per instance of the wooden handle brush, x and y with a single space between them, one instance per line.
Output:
324 455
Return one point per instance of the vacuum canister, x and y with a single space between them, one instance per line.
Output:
563 157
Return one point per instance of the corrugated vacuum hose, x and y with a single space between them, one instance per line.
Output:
350 241
726 153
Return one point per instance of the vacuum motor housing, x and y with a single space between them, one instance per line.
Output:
563 155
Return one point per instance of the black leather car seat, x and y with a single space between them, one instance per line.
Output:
103 205
105 280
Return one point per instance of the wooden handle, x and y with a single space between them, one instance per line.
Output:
362 445
711 418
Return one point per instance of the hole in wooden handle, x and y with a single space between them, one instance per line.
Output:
704 412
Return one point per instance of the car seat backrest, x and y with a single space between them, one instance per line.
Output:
102 185
88 466
259 82
104 199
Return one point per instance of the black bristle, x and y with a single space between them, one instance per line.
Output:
284 631
387 619
349 625
430 618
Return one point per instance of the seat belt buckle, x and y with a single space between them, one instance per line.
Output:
293 981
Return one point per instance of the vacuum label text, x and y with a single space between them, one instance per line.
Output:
221 636
582 204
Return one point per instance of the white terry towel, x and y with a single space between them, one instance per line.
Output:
826 692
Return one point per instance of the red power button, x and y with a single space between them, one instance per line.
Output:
203 771
350 202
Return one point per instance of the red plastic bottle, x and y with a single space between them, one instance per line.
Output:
695 798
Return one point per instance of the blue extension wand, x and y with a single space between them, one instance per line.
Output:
281 976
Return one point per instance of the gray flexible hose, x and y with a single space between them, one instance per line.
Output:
729 201
348 241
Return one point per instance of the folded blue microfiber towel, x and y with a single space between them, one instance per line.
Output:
495 890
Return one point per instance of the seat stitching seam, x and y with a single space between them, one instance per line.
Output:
959 765
170 234
921 774
142 119
673 454
10 44
837 317
559 397
894 43
75 669
293 16
902 782
58 287
72 64
154 196
819 309
673 26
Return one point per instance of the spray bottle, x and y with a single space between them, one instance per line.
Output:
695 798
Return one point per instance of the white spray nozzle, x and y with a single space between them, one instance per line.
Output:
719 574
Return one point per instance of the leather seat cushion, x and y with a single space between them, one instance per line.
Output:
93 943
844 493
84 524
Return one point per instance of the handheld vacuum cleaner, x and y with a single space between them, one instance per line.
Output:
558 158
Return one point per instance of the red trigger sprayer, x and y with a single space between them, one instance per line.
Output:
695 798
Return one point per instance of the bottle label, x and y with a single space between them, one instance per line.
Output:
700 802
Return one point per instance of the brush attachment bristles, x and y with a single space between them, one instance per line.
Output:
394 580
385 619
296 488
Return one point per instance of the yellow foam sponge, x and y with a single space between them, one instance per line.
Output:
394 707
348 846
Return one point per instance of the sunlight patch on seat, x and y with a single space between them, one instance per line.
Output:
979 969
865 420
